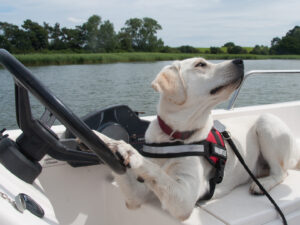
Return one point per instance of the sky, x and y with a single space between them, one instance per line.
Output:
197 23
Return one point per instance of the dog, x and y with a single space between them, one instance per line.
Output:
189 90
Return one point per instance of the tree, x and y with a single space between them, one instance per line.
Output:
149 41
168 49
140 35
188 49
125 41
37 34
215 50
289 44
89 32
7 35
229 45
132 32
55 37
4 43
92 36
107 38
13 39
260 50
275 41
72 38
234 49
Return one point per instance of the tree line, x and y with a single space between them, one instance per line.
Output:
94 35
288 44
97 35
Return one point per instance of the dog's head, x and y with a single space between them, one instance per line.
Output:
197 81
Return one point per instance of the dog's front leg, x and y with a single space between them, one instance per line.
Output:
135 193
176 185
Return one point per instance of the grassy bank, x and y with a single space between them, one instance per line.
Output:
62 59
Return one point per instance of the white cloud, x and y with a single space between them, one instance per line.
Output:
75 20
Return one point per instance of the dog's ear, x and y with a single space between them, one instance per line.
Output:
170 84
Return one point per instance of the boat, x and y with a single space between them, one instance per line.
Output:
75 187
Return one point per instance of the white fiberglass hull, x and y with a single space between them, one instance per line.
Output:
88 195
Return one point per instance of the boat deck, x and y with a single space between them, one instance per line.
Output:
88 195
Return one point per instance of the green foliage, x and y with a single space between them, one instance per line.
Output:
131 33
55 37
14 39
72 39
215 50
229 45
75 58
137 35
289 44
37 34
90 32
107 38
188 49
260 50
140 35
234 49
125 41
92 36
168 49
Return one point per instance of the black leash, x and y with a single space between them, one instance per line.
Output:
227 137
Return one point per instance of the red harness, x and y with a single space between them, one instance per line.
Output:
212 148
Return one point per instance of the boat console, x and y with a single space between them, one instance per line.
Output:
37 139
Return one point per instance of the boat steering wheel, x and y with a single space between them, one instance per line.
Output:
38 130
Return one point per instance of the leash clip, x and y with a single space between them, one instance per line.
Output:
226 135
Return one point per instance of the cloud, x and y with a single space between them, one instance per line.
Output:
75 20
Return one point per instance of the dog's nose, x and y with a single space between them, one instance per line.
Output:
238 62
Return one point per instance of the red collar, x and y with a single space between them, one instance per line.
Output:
174 134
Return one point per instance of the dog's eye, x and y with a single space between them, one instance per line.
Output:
200 64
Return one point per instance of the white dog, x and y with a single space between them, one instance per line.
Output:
189 90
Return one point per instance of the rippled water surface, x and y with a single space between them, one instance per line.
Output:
85 88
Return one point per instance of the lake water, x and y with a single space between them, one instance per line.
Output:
85 88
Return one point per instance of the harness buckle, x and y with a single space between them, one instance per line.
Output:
226 135
219 174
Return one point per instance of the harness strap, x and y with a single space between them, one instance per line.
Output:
213 149
219 173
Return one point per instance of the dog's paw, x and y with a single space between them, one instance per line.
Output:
267 182
132 205
111 143
129 154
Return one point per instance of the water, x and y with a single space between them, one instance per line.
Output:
85 88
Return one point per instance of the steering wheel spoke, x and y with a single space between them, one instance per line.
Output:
47 118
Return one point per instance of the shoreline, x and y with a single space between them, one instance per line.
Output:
39 59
